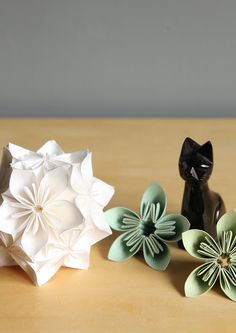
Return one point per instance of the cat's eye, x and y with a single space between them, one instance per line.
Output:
204 166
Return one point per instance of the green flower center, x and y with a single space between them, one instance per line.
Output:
147 227
224 260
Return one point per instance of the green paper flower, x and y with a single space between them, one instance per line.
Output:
219 257
147 232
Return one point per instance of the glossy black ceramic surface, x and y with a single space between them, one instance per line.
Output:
200 205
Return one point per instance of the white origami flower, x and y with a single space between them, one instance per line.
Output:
67 249
35 205
70 246
39 271
50 155
92 196
52 210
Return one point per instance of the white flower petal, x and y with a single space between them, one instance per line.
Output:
18 152
8 223
45 272
101 192
96 228
91 235
29 163
73 158
39 272
19 180
32 241
55 180
99 219
79 260
87 168
93 212
63 215
78 183
50 148
83 202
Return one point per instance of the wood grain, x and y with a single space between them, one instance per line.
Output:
123 297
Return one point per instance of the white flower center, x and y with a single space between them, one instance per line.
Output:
38 209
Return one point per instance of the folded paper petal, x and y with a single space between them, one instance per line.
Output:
62 215
50 148
43 273
101 192
32 241
78 260
73 158
227 222
169 228
99 219
19 152
76 249
39 272
115 217
91 234
8 223
50 156
158 261
154 194
20 179
119 251
55 181
192 239
86 168
195 286
228 288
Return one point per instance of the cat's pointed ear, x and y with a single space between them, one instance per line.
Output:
189 145
206 150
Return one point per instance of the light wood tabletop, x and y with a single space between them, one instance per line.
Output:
129 296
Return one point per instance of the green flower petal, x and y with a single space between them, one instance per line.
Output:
227 222
229 290
115 217
154 194
119 251
195 286
192 239
166 233
159 261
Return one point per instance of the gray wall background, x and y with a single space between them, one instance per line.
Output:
118 57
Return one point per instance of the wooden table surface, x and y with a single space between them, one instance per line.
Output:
130 296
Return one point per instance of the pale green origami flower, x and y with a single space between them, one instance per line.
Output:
219 257
147 232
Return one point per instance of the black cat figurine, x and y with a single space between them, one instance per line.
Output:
201 206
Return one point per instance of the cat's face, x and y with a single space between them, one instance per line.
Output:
196 161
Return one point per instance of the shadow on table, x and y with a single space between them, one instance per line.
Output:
104 245
178 271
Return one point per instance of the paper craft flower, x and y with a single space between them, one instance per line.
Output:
52 210
219 256
148 232
34 206
92 195
50 155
